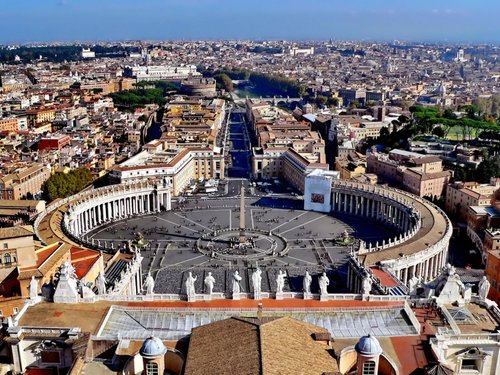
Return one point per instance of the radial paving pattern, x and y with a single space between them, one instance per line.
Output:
174 238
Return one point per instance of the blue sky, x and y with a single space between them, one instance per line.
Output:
87 20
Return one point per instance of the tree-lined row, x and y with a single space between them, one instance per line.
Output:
62 185
264 84
428 117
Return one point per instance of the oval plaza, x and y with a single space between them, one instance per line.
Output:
394 234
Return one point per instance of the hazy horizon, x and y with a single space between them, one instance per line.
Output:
445 21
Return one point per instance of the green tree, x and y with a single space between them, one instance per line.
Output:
320 100
449 114
62 185
488 168
384 132
438 131
471 111
224 81
332 102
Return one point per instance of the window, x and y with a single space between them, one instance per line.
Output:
470 364
6 258
369 368
5 245
151 368
16 310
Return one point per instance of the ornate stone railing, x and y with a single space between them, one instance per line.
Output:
219 296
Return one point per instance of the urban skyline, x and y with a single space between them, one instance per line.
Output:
426 21
207 187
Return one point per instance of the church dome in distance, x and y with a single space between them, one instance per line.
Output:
368 345
152 348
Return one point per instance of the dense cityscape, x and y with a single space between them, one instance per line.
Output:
249 207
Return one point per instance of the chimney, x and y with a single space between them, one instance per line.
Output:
259 311
323 337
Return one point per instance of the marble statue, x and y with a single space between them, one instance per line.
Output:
236 282
257 281
33 288
67 271
209 283
137 255
67 290
450 288
149 284
190 289
450 269
101 283
323 283
413 284
280 282
484 288
306 284
366 287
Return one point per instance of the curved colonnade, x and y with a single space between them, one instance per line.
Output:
421 247
69 219
419 250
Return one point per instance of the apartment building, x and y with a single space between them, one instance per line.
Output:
24 181
37 117
9 124
461 195
419 174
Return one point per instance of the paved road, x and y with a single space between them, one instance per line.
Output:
239 148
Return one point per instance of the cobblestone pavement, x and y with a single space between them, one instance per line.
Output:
171 237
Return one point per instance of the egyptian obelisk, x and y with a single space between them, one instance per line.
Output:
242 215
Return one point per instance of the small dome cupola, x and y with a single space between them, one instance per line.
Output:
153 348
368 346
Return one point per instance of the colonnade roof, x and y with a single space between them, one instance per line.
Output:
433 229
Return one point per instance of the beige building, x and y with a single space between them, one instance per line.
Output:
175 165
25 181
461 195
287 148
285 163
426 184
17 247
367 129
193 123
9 124
267 162
416 173
36 117
492 271
351 166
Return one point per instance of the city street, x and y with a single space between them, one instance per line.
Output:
239 147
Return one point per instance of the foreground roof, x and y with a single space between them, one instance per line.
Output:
245 346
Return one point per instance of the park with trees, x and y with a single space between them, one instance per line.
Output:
145 93
466 127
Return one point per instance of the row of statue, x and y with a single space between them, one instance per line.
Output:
256 278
